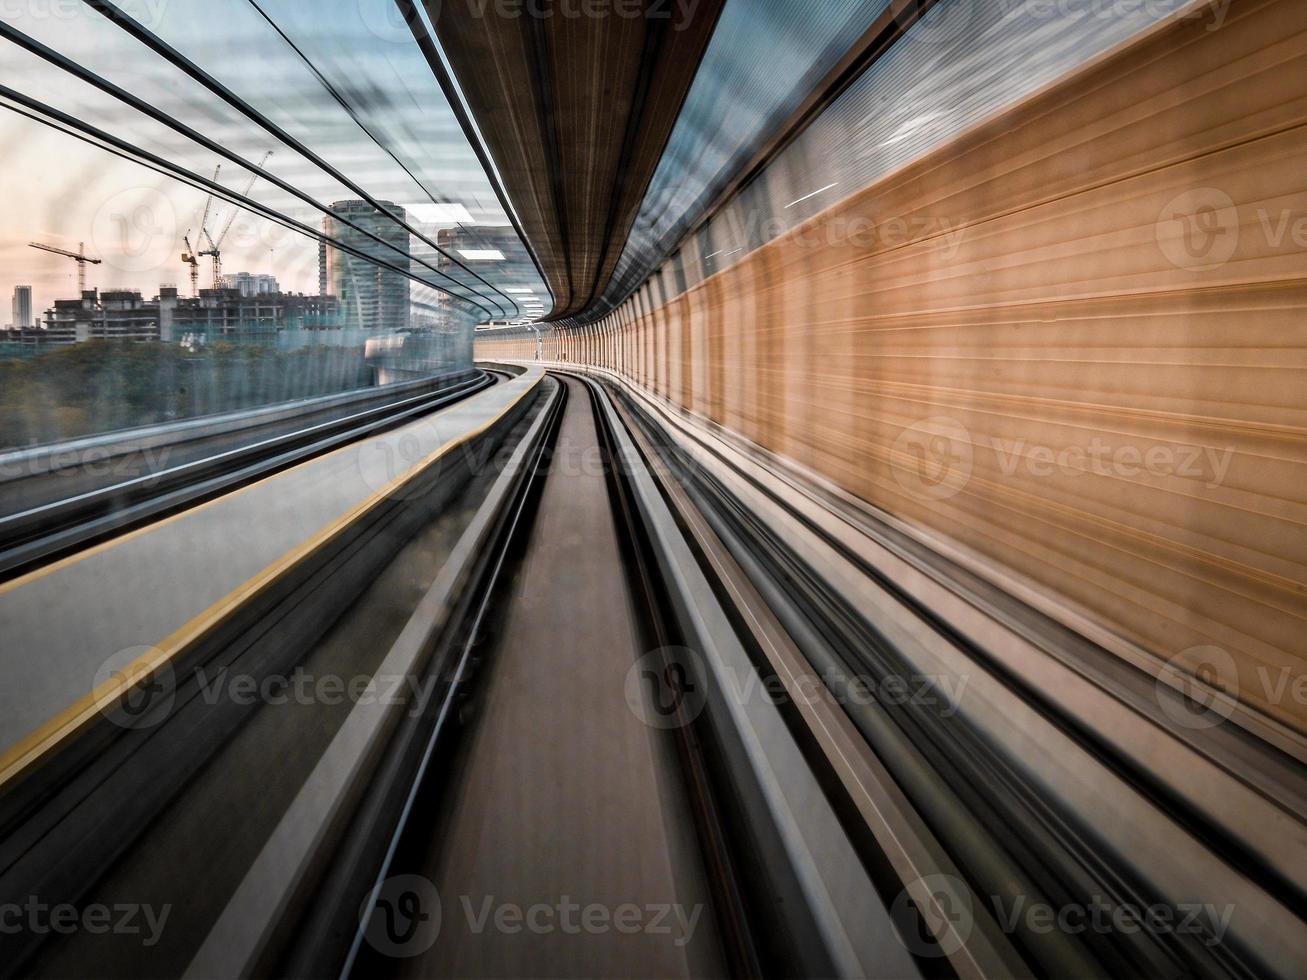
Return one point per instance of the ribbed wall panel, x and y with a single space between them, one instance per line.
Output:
1057 289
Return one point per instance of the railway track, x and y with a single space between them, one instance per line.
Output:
616 678
59 509
698 812
984 821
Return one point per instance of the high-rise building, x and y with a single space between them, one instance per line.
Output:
22 307
494 252
370 296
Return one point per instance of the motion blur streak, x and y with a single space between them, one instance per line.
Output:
683 488
1062 344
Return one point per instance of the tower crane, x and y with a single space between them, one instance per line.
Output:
193 261
215 247
189 257
80 257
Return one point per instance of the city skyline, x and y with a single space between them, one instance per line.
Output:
134 220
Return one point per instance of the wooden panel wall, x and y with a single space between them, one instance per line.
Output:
1086 357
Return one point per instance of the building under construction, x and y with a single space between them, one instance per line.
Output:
216 314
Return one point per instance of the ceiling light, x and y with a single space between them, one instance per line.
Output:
813 194
482 254
441 214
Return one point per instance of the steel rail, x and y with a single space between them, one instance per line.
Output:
42 534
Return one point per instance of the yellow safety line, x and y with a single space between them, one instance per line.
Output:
22 754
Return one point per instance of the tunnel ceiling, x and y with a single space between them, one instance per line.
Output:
576 112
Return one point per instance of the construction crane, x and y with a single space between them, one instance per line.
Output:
189 257
215 247
204 220
79 257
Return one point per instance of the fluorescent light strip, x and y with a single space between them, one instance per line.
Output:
813 194
435 214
